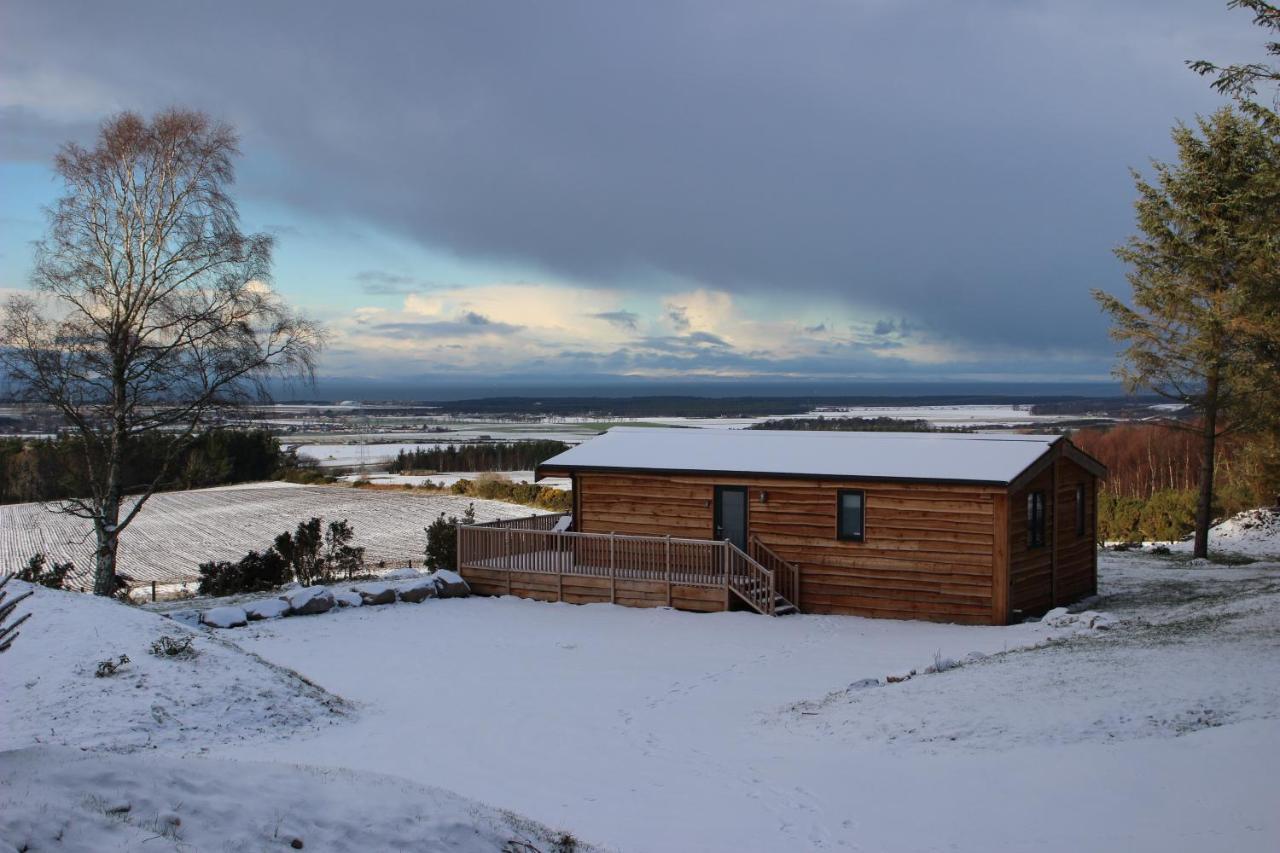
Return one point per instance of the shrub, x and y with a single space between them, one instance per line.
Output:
442 540
1169 514
255 572
302 552
1119 517
107 668
38 572
173 647
340 556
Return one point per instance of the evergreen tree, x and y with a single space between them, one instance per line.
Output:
1204 272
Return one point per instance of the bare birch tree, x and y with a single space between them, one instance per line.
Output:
150 310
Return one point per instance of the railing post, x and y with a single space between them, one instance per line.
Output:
613 597
724 546
773 595
668 569
506 554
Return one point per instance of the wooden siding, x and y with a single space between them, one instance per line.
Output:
1076 559
929 550
1065 568
588 590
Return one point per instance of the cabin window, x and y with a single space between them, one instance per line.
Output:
1079 509
850 504
1035 519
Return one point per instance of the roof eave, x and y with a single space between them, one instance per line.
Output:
562 470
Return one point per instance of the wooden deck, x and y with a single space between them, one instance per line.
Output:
527 558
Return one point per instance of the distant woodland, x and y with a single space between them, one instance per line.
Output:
496 456
52 469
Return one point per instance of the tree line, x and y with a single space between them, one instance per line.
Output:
488 456
1151 490
56 469
824 424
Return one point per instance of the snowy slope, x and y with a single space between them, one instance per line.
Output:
1254 532
54 798
50 695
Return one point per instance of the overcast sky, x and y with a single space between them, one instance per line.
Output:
811 190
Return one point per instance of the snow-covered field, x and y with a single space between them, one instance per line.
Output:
448 478
661 730
177 531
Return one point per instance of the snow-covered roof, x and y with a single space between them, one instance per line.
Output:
950 457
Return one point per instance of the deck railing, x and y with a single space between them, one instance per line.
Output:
515 545
544 521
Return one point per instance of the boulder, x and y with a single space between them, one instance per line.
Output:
419 591
347 598
270 608
309 601
375 593
225 617
450 584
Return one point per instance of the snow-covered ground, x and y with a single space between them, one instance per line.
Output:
119 762
1253 533
661 730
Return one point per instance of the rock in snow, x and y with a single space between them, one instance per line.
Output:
450 584
270 608
311 600
375 593
225 617
347 598
419 591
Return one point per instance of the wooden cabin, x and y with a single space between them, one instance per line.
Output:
954 527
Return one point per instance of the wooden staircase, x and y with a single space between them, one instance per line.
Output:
762 580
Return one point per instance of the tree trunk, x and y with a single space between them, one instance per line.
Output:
1209 438
104 561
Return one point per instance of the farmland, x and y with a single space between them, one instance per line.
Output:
177 531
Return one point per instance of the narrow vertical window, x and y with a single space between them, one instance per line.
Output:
1079 509
850 504
1035 519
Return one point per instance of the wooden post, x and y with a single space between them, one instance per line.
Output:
153 591
613 597
506 555
668 569
724 546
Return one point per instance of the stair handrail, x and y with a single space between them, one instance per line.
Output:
788 572
758 589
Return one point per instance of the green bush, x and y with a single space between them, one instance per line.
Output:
1169 514
254 572
442 539
1119 517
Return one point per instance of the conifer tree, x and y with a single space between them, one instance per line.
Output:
1205 272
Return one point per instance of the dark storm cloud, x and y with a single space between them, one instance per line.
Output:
466 325
963 165
621 319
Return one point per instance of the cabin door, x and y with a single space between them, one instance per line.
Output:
731 515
